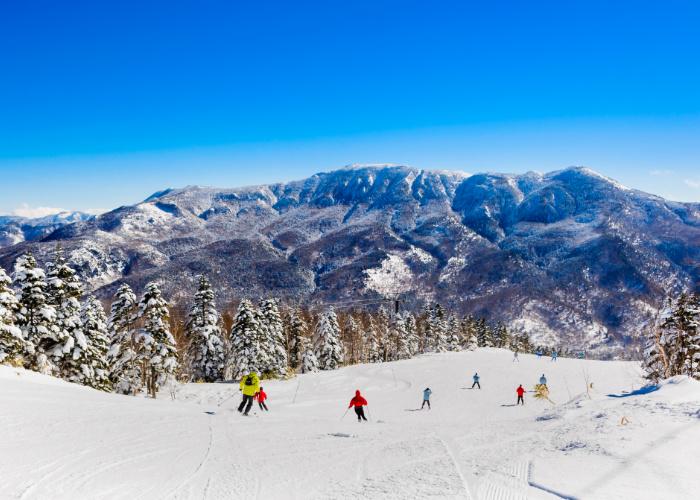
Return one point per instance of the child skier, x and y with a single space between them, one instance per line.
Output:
426 397
250 384
358 402
261 396
476 381
520 392
554 355
543 380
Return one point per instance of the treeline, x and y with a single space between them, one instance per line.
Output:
49 325
673 346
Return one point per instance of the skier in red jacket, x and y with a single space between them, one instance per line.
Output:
358 402
520 392
261 396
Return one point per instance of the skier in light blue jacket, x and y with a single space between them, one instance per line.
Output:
426 397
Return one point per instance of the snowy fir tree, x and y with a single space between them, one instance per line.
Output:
35 317
653 359
244 343
403 341
484 335
296 331
453 336
469 337
94 368
205 352
353 339
12 345
371 344
679 337
409 324
158 342
308 362
125 356
435 329
272 343
65 291
327 345
501 337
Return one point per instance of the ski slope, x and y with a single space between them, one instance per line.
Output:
66 441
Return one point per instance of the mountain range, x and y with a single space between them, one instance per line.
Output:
569 256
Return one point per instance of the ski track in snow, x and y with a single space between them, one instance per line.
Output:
63 441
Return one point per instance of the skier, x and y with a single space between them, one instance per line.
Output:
250 384
261 396
426 397
539 353
520 392
515 356
543 380
554 355
358 402
476 381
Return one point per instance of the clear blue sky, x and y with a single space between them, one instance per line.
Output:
102 103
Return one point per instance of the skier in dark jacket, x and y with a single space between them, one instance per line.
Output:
358 402
520 392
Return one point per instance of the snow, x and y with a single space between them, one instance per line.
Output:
66 441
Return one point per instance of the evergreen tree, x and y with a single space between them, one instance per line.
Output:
205 352
353 342
308 362
65 291
371 344
435 330
409 323
12 345
469 333
126 356
273 344
484 335
453 336
158 342
327 345
653 361
94 368
403 341
244 341
298 330
501 338
383 331
36 317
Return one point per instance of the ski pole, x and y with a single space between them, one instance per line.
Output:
346 412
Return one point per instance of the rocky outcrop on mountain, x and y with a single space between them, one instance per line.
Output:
567 256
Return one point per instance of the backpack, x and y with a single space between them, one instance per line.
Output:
249 380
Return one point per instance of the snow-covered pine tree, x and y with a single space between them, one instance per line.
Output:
403 347
327 345
484 333
382 327
469 330
125 356
308 362
453 334
501 338
36 317
297 331
694 344
244 343
409 323
354 340
205 352
158 342
372 353
678 333
435 329
273 343
653 361
95 370
12 346
65 291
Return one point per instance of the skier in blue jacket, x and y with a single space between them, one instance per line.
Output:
426 397
476 381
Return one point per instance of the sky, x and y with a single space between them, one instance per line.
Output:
103 103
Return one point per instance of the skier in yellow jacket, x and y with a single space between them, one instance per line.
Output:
250 384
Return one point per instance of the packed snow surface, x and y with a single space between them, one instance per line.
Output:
65 441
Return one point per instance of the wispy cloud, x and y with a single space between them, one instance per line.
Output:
693 183
661 173
24 210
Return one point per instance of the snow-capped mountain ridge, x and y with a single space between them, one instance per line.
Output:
568 255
